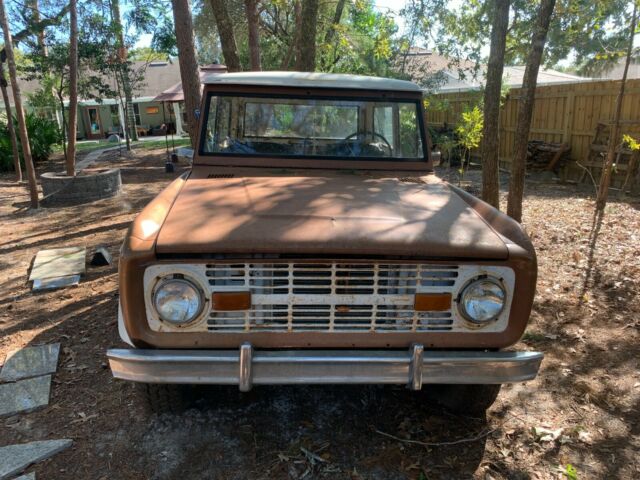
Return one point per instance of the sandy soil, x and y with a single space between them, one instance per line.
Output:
580 413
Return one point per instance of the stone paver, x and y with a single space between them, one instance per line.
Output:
28 476
54 283
24 395
92 157
15 458
59 262
30 362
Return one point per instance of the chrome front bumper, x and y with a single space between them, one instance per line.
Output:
247 367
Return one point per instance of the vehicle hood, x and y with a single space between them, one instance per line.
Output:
345 214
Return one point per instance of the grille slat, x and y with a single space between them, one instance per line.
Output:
359 297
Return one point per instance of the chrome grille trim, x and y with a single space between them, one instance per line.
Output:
330 279
330 297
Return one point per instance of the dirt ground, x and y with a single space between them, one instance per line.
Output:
578 419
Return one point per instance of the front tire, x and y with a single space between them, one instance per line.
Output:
165 398
471 400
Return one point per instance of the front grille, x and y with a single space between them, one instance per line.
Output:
331 296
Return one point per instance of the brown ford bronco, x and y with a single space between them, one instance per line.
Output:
311 243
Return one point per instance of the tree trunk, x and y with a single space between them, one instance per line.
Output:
331 31
65 126
490 135
189 72
35 17
73 89
306 50
251 9
293 45
10 129
337 17
527 99
17 100
614 138
123 68
227 37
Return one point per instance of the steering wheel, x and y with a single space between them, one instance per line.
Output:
375 134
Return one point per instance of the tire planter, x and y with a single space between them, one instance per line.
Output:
59 189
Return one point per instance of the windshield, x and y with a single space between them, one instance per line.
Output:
306 127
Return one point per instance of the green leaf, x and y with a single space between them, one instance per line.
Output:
570 472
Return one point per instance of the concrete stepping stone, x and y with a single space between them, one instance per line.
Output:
28 476
58 262
30 362
24 395
15 458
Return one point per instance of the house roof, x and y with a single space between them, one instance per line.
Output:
615 71
424 65
460 75
514 76
427 60
311 80
175 94
157 76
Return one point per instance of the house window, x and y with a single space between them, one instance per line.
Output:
136 112
115 116
153 110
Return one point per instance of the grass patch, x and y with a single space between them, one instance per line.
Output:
88 146
534 337
180 142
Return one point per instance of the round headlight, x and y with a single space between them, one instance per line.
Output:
482 300
177 300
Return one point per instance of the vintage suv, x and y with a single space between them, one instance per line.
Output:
311 243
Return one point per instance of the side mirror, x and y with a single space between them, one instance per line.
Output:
436 157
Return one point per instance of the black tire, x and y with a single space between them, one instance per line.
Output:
165 398
470 400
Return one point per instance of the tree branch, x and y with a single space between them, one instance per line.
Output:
480 436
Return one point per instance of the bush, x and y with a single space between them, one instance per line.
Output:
6 155
43 134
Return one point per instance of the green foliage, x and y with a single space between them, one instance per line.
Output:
151 17
146 54
436 104
469 131
6 155
364 41
592 32
570 472
43 135
632 143
407 130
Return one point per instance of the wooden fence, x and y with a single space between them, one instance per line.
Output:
566 113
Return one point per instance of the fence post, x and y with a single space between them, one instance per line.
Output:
568 118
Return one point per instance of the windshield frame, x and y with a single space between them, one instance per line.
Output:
412 163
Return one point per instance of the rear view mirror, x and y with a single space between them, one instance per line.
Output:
436 157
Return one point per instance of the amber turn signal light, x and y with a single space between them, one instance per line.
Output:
432 302
231 301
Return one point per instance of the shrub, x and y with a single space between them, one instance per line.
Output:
43 134
6 155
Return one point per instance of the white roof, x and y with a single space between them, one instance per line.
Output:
311 80
514 76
